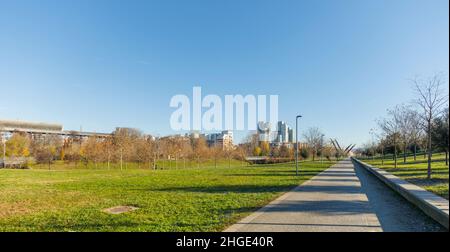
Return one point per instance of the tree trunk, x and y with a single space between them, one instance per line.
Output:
382 156
404 154
429 150
121 159
415 152
446 158
395 153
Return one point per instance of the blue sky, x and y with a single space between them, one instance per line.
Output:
102 64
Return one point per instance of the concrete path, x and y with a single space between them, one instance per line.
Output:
337 201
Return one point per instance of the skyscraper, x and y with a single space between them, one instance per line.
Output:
291 135
283 132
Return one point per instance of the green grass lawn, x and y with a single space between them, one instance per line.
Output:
416 172
205 199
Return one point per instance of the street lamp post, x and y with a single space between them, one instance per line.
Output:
296 144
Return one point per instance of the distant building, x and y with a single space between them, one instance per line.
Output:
223 140
30 127
283 132
291 135
39 129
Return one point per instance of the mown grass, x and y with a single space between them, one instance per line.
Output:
415 171
205 199
160 165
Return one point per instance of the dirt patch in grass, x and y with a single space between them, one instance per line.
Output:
120 209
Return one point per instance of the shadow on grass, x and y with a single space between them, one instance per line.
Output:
263 189
410 173
428 182
230 189
293 170
283 174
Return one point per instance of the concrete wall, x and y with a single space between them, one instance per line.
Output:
431 204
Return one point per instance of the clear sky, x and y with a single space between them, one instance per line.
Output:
102 64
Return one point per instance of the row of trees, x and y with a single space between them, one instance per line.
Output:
313 145
123 147
421 125
132 146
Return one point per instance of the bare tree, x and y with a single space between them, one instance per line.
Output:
93 151
240 153
144 151
415 131
430 98
314 139
217 153
199 149
391 128
123 139
382 144
43 154
406 120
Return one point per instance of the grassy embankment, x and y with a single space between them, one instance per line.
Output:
415 171
206 199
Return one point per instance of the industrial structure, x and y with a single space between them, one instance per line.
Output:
35 129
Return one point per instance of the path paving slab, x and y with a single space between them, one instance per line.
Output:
332 201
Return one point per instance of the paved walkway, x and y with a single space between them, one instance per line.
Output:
337 201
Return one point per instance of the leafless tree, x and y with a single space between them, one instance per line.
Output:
92 150
314 139
415 131
123 139
143 148
199 149
391 127
217 153
431 98
407 121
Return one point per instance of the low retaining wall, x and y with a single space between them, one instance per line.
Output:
434 206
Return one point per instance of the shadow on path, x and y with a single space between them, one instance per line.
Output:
394 212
